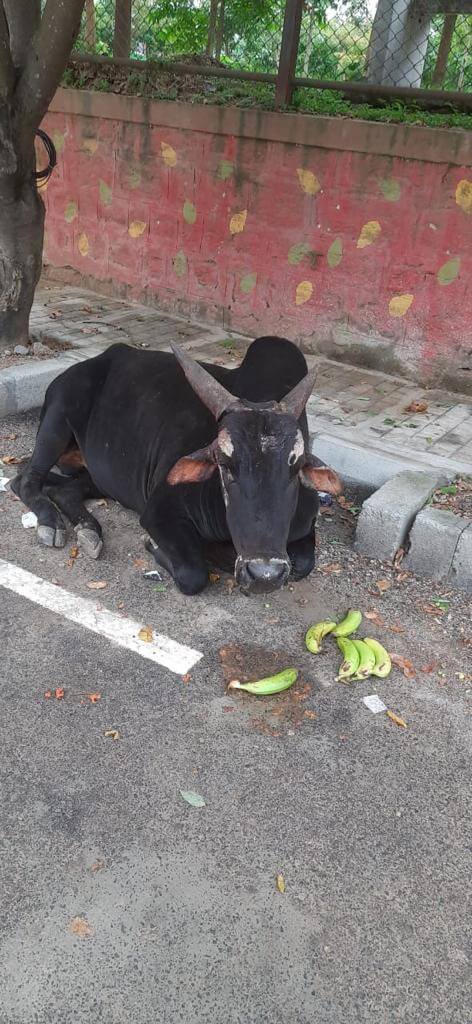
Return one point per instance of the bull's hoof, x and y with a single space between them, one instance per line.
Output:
51 537
89 541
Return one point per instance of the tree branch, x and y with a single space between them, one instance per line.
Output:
23 18
48 57
6 66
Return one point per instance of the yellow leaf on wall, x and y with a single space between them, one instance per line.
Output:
89 146
464 195
308 181
369 233
237 222
169 155
303 293
83 244
400 304
136 228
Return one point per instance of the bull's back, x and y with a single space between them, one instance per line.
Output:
137 416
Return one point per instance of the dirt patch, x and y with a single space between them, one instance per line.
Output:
271 716
156 82
53 345
456 497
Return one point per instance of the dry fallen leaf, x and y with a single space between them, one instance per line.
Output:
140 563
430 667
186 678
399 556
94 697
146 634
375 616
416 407
405 664
213 577
9 437
280 883
59 693
97 585
97 865
328 569
310 714
396 629
383 585
396 718
48 694
113 734
402 576
10 460
79 926
432 609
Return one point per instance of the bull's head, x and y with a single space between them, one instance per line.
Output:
262 461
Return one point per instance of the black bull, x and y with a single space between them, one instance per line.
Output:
204 455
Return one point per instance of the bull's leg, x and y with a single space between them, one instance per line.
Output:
302 556
179 547
69 496
54 435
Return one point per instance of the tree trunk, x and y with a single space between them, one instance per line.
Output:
33 54
220 31
21 247
21 227
444 50
398 43
210 48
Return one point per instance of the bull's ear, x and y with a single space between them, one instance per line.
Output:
193 469
318 477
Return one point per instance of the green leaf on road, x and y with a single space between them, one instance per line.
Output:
192 798
389 422
450 489
441 604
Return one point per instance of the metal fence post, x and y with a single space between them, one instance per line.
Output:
122 33
288 51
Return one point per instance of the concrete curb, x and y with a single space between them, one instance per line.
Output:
372 466
440 540
434 541
388 515
23 387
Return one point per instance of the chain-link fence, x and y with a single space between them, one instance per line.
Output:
413 44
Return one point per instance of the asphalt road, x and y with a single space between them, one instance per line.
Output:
123 904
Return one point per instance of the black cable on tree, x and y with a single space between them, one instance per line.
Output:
44 175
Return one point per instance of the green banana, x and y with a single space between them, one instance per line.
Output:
366 659
349 624
351 657
315 635
383 664
273 684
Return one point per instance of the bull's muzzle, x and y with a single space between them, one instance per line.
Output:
261 575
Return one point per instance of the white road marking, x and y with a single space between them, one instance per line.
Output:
119 630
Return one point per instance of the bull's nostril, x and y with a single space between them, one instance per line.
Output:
271 571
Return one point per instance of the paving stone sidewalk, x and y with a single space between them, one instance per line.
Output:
358 418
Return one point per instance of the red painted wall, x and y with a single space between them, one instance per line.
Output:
363 256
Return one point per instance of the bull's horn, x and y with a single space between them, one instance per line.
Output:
295 402
216 398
